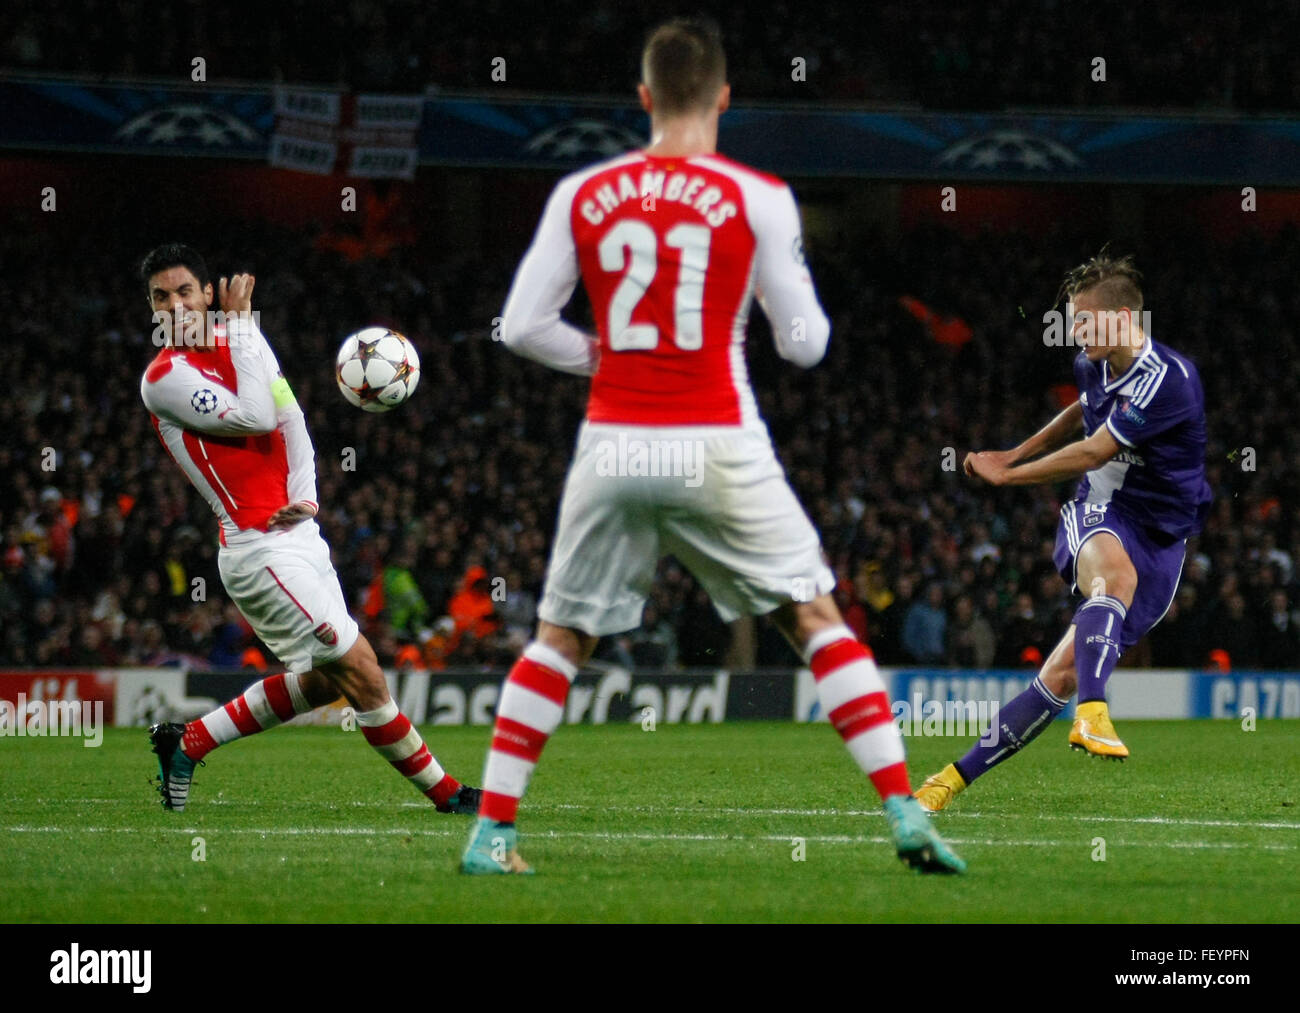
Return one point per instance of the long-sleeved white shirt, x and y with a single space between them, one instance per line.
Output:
671 252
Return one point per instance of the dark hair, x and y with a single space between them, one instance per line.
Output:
174 255
1115 281
683 65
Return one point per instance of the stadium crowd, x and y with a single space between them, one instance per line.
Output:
938 55
439 514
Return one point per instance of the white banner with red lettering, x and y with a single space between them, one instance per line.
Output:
369 136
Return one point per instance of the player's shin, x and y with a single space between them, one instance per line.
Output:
1096 644
396 740
853 695
263 705
532 704
1018 724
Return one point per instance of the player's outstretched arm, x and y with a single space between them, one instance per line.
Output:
1052 436
250 354
1070 461
530 323
784 285
1049 438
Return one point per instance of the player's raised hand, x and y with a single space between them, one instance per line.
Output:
237 297
1002 458
288 516
990 465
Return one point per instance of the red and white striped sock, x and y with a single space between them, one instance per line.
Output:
853 696
532 704
396 740
263 705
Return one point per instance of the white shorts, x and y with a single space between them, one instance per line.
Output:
715 498
285 585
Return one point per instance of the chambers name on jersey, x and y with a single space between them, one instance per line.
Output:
227 416
671 252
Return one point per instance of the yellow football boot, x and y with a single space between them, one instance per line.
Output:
1093 732
940 789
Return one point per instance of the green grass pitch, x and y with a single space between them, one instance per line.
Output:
686 823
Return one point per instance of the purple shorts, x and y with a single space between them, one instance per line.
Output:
1158 561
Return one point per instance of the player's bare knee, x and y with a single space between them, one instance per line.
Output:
1105 569
1058 673
1114 582
317 688
1123 584
571 644
366 675
1060 679
364 690
358 677
811 617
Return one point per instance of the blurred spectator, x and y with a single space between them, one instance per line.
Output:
654 645
1234 632
440 644
925 627
971 642
1177 641
851 608
519 609
885 609
1022 629
93 650
702 637
1279 642
405 605
471 608
229 638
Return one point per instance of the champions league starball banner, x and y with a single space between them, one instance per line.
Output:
213 121
309 129
821 141
304 129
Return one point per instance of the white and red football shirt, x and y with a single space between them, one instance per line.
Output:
228 417
671 251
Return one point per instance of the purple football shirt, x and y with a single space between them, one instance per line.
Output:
1156 411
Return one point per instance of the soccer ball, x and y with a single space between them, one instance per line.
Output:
377 369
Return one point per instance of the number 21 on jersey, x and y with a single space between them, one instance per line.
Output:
632 247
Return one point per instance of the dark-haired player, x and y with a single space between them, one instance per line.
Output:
225 413
672 242
1121 540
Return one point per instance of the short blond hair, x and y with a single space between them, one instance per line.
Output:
683 65
1114 281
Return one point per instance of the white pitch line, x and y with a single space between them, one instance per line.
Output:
619 836
704 811
743 811
1168 821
